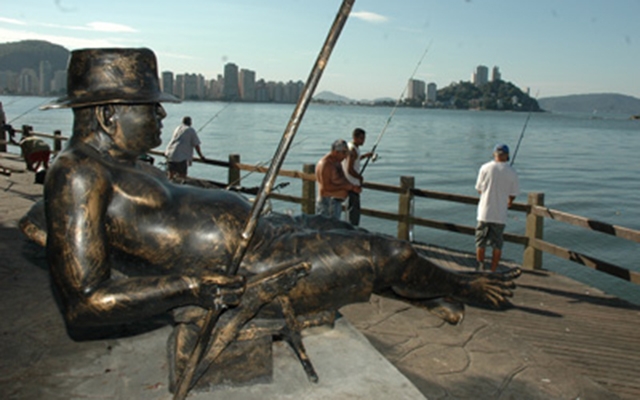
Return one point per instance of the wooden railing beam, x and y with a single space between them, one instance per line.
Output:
536 212
587 223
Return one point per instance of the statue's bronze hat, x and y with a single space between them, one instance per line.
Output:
116 75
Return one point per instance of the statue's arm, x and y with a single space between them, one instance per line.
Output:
78 250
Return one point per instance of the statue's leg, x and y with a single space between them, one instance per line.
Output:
413 276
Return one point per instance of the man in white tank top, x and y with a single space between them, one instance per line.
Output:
351 167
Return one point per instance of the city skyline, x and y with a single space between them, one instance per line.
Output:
572 47
235 84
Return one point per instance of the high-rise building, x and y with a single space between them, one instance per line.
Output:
481 76
46 74
292 91
415 90
262 91
215 88
28 82
167 82
178 86
278 94
231 89
191 87
59 82
247 85
8 82
495 74
432 92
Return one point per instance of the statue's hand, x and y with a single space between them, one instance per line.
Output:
492 289
221 291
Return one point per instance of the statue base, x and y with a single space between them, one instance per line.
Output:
243 362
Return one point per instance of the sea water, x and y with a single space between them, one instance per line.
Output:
584 166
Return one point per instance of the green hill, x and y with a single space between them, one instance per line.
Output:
15 56
495 95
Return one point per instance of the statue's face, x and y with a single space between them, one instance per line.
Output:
139 127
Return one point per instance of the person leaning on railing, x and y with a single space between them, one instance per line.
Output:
333 186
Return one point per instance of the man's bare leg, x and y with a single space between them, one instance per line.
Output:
495 259
480 253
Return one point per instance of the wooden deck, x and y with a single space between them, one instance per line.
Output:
565 329
588 332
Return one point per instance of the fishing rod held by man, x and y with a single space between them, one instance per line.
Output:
395 107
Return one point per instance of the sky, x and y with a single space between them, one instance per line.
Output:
551 47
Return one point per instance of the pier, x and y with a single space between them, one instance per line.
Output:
560 339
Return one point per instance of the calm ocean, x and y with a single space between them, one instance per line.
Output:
584 166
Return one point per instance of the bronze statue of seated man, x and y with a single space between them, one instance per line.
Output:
101 206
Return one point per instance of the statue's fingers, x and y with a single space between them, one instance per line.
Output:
506 288
500 294
494 299
510 285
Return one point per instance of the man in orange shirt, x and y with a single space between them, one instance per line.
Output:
333 186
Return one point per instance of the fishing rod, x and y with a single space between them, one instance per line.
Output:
214 117
202 344
524 128
393 111
260 164
27 112
15 100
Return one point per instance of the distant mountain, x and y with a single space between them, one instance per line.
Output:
15 56
330 97
590 103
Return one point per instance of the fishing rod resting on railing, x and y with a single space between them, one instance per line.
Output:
393 111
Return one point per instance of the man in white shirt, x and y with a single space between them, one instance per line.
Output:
497 184
351 167
179 151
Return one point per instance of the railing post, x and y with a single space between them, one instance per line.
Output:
308 191
404 206
3 140
532 258
57 141
234 171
